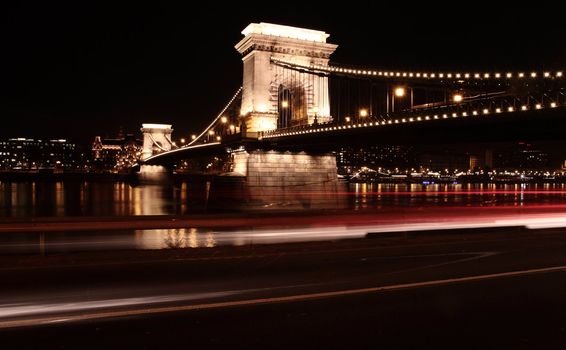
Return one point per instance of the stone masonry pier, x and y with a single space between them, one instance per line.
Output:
285 169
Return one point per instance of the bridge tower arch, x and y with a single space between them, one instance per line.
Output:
261 99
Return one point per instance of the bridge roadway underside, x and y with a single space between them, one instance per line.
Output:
543 125
536 125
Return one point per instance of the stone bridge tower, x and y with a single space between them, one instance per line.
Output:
156 139
269 88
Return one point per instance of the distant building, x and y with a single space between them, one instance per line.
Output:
529 157
115 154
30 154
475 162
372 156
447 161
522 155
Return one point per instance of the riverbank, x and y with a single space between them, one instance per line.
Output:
133 178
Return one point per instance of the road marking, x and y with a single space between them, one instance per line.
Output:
291 298
475 256
213 257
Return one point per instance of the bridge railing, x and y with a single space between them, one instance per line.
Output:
296 128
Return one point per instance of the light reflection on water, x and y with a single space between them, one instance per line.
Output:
174 238
72 241
80 198
58 242
367 196
199 238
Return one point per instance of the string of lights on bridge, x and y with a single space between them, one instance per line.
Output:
422 75
423 118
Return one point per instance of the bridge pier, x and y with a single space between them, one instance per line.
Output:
284 169
288 180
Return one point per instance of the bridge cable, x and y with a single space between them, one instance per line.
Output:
217 117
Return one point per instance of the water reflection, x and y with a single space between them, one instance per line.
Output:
24 199
366 196
199 238
173 238
80 198
59 242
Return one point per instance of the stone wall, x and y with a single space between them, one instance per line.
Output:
289 181
283 169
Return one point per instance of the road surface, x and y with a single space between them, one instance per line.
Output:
504 288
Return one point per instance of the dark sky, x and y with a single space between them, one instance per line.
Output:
78 69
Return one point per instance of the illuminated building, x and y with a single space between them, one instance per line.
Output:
115 154
475 162
25 154
374 156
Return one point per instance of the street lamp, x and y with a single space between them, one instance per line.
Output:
223 120
397 92
193 137
182 140
363 113
458 98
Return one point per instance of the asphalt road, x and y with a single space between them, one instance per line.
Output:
500 289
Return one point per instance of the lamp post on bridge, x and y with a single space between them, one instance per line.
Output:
398 92
363 113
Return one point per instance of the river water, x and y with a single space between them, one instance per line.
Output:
76 198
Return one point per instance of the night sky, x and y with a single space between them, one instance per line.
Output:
79 69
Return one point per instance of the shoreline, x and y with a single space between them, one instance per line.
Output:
133 178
